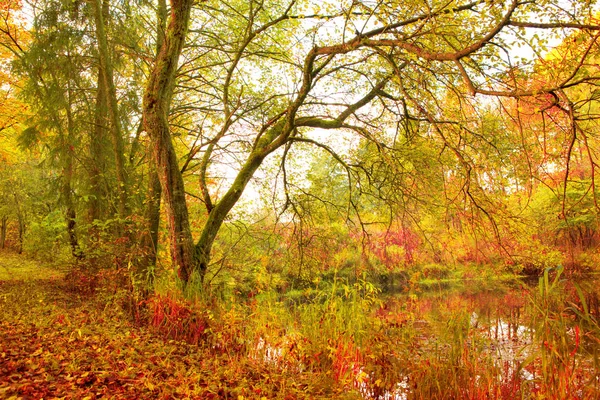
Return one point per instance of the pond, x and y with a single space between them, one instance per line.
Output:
505 341
528 339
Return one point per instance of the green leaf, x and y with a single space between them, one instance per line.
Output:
29 138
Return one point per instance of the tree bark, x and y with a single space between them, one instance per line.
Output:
149 240
152 213
157 99
219 212
106 72
97 153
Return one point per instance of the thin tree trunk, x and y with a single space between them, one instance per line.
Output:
97 152
157 99
106 71
70 214
149 240
21 221
3 224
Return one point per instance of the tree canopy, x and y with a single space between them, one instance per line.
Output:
362 112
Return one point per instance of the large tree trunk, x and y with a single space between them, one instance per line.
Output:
187 257
157 99
218 214
149 241
95 170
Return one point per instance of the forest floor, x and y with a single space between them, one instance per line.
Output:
58 343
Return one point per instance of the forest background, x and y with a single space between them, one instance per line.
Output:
204 152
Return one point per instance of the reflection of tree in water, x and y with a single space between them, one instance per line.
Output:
586 300
594 304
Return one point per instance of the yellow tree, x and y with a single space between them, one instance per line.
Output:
13 116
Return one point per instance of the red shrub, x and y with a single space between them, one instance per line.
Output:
177 319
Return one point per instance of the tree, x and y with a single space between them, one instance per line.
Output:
13 115
83 87
157 100
260 76
107 89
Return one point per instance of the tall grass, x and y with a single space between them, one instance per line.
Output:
347 336
321 333
564 358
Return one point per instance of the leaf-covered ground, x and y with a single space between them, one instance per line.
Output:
56 342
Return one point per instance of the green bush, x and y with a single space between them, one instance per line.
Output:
47 239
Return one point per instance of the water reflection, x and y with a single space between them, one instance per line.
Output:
503 343
509 344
